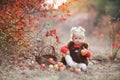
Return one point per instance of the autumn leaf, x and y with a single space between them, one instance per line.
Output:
20 64
19 36
3 27
53 32
32 19
110 58
40 1
23 72
57 39
116 44
38 6
36 27
47 34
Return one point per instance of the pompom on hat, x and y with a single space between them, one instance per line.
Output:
78 31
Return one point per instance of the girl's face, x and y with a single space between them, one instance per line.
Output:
77 39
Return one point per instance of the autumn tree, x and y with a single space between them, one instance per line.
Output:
24 23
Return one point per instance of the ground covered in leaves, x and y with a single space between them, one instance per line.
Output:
96 71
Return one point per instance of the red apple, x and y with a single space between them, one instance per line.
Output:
56 67
42 66
61 68
51 60
60 64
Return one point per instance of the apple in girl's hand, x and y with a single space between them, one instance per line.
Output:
84 52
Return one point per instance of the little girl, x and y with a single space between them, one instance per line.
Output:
75 54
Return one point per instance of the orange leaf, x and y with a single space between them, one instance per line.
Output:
33 19
19 36
23 73
20 64
31 1
38 6
44 5
40 1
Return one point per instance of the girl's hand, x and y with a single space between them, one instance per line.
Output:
84 52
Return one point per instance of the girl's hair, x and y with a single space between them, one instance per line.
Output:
78 31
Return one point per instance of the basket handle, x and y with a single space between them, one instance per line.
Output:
53 50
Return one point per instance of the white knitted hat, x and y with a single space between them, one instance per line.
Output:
78 31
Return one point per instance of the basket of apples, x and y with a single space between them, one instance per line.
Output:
47 56
47 59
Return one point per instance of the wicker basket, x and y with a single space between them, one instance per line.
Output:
45 54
